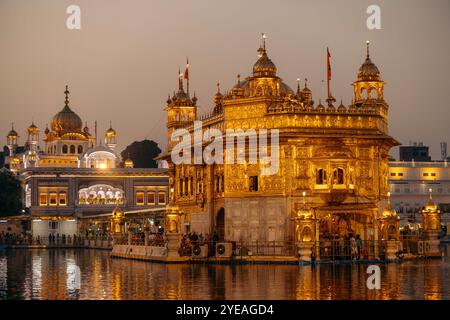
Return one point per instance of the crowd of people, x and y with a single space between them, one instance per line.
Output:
11 238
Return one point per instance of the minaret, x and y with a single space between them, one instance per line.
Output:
181 110
111 137
33 136
31 158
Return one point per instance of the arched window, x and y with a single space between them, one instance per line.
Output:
321 176
72 149
80 149
65 148
338 176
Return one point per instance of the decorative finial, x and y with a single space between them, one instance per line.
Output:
218 87
298 84
304 198
367 44
306 83
389 199
180 80
12 125
430 191
264 40
110 124
66 101
239 79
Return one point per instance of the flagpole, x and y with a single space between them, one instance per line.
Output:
328 73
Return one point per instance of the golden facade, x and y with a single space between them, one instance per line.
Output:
336 156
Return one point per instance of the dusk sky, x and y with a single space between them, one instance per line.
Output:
124 61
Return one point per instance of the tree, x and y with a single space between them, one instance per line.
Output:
142 153
10 194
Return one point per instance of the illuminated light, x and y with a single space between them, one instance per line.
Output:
37 220
103 166
71 220
3 221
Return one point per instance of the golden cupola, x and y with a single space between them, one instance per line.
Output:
389 212
369 85
368 70
66 120
111 137
264 67
430 206
128 163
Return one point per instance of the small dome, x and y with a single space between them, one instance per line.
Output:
341 108
32 128
110 132
12 133
320 107
129 163
368 70
331 108
264 67
431 206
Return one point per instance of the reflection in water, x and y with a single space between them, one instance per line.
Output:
91 274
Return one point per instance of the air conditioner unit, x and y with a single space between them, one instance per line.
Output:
224 249
199 251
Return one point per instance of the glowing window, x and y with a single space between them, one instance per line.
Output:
43 199
62 199
161 198
139 198
338 176
53 198
151 198
321 176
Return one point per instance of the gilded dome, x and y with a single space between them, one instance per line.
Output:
13 133
32 128
368 70
320 107
66 120
264 66
110 132
341 108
